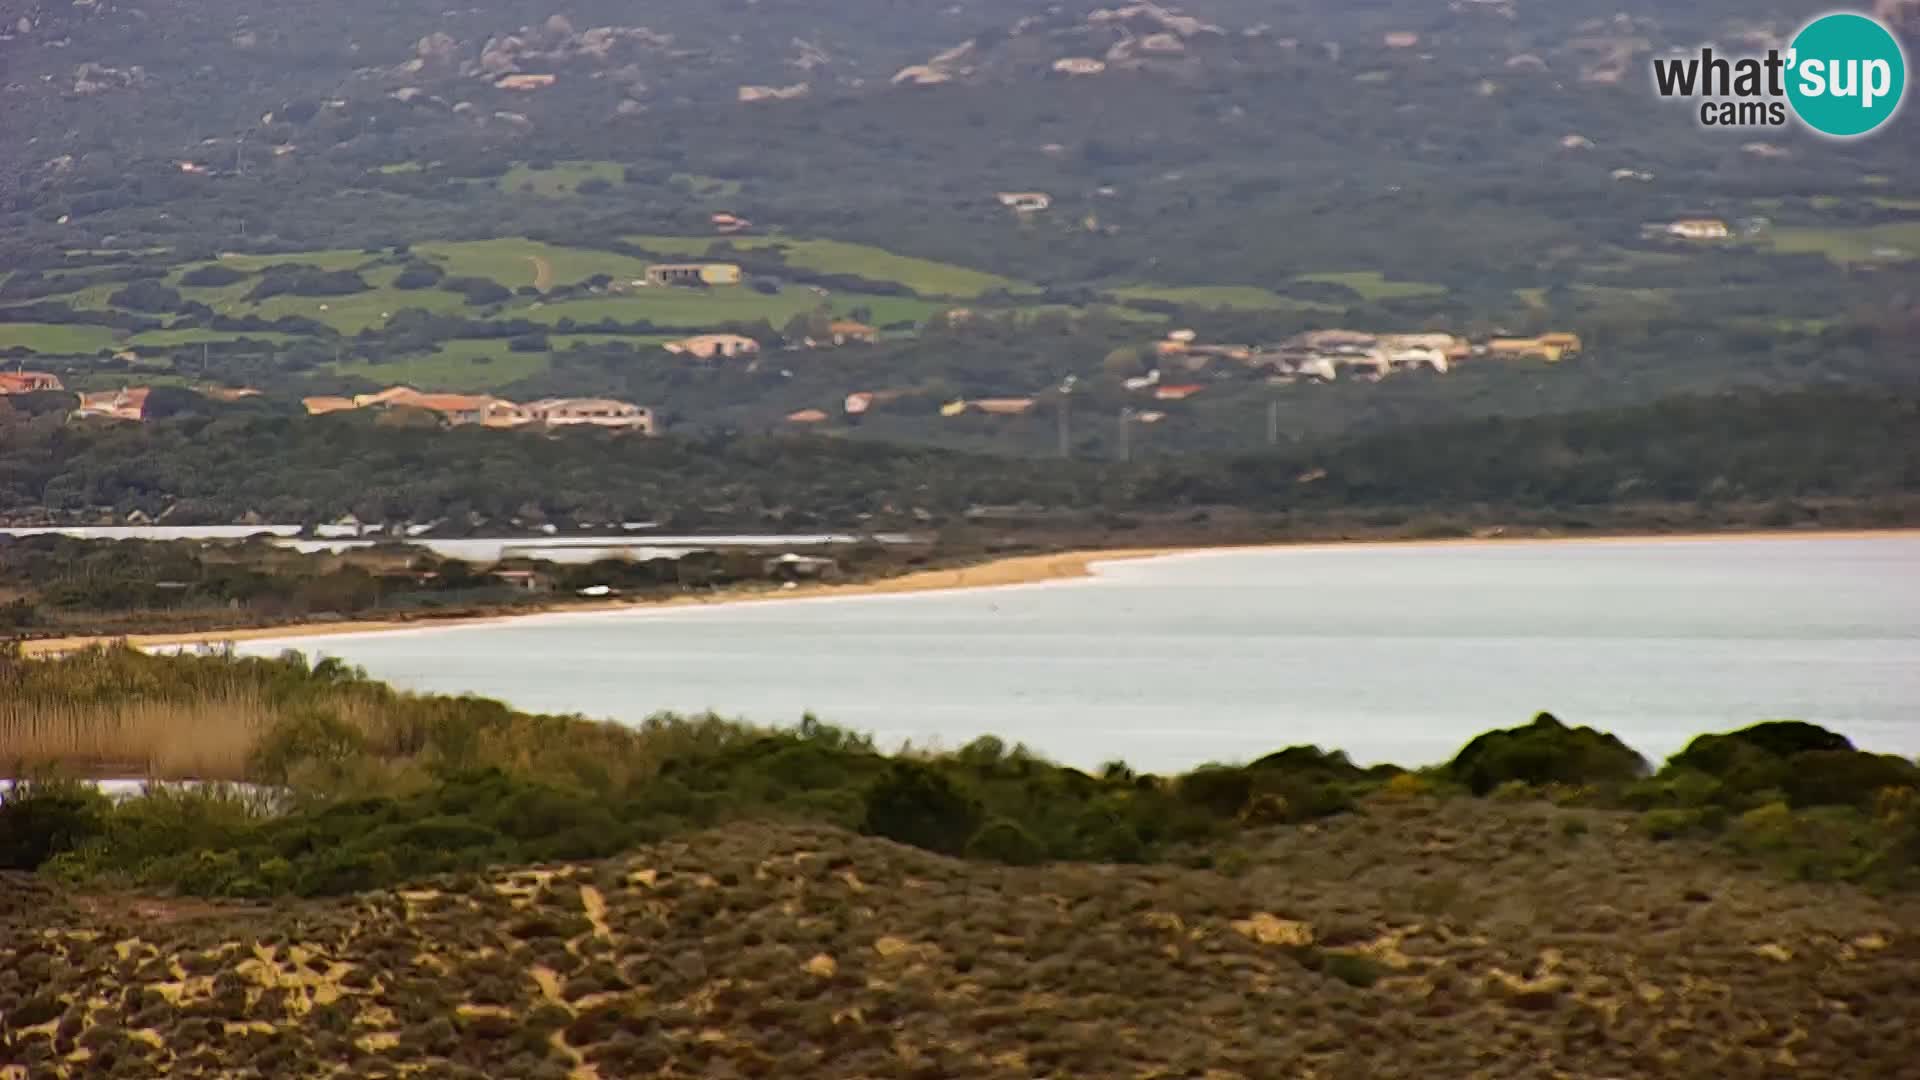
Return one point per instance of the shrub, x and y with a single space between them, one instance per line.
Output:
41 819
1715 754
1545 751
1844 777
293 279
1408 785
1001 840
149 296
479 292
1800 764
419 275
211 276
917 805
1309 759
1220 790
311 738
1668 824
1683 788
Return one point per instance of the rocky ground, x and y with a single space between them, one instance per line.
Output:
1418 938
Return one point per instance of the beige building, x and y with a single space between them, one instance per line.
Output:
1700 229
846 332
591 412
711 346
127 404
693 274
28 382
321 406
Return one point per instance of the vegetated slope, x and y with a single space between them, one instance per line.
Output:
1418 938
1754 447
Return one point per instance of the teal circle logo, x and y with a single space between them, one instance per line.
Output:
1846 75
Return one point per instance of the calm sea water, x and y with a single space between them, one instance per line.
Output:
1393 653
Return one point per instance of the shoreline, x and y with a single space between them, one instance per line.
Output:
995 573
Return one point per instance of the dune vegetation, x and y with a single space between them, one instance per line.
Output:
547 897
350 784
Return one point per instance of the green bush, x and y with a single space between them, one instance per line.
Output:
1544 752
1800 764
1715 754
1844 777
1669 824
915 804
1309 759
41 819
1001 840
1220 790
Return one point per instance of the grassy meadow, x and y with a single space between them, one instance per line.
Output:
1846 246
55 339
466 365
1374 286
562 180
924 276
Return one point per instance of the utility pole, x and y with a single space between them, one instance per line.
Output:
1066 416
1126 434
1273 422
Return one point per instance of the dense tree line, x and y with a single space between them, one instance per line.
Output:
217 465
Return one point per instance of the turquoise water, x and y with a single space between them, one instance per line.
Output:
1393 653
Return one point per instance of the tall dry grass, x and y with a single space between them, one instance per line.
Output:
115 712
206 739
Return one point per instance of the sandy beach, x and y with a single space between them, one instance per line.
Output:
1018 570
1014 570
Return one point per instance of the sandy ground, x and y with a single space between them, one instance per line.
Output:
1017 570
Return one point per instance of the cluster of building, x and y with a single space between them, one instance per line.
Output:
487 411
833 333
1326 355
1315 356
125 403
28 382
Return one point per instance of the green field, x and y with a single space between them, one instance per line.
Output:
348 314
1373 285
1848 245
334 259
464 366
55 339
924 276
514 261
563 180
360 311
1222 297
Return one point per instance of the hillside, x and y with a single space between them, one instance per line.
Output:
1417 938
326 200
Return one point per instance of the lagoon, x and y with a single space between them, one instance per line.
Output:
1393 652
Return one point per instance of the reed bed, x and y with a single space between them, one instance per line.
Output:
208 739
115 712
